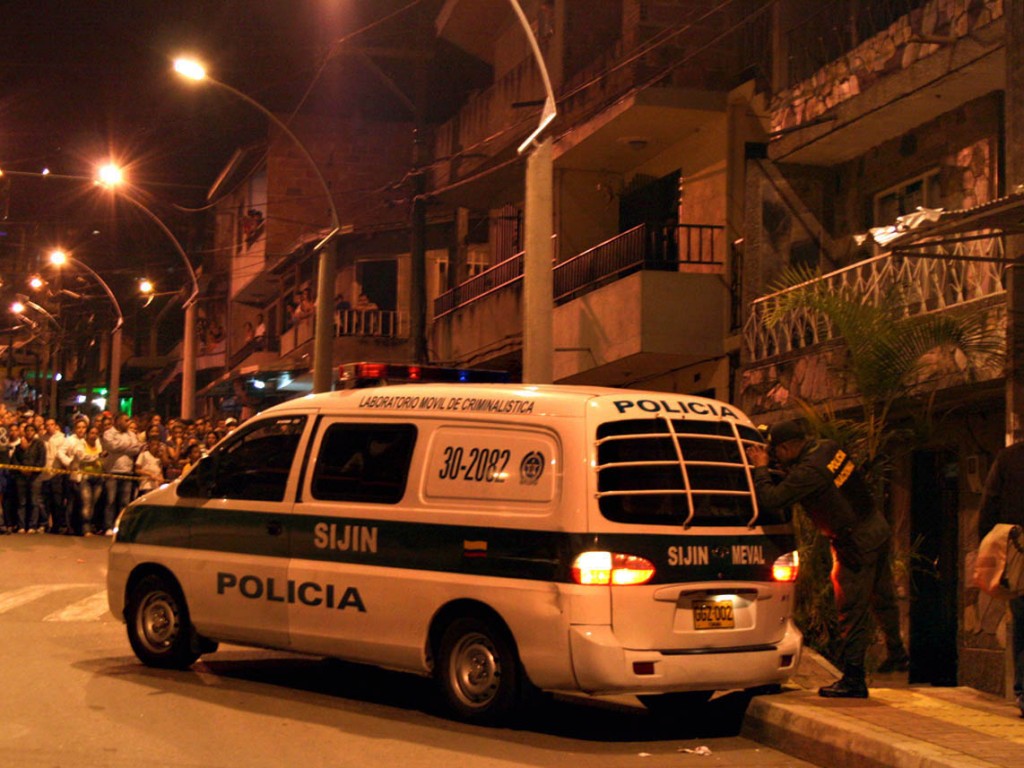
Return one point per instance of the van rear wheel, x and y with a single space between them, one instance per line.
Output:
478 672
159 629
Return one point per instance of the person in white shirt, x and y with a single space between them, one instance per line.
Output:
54 482
121 445
149 463
71 456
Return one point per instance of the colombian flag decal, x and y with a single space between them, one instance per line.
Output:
474 548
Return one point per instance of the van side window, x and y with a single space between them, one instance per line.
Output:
253 464
364 462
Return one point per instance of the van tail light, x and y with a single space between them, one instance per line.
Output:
786 567
611 568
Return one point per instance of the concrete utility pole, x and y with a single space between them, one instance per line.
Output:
1014 143
538 310
539 223
418 309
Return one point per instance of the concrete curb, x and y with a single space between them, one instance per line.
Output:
824 736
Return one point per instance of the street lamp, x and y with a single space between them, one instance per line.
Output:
19 307
322 335
59 258
110 177
23 303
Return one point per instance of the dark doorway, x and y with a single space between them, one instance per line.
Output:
933 574
379 281
654 201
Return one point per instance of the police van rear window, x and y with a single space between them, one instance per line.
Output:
679 472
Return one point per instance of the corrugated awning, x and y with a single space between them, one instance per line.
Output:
927 227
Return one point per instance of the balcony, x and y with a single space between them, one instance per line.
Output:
658 76
675 247
649 297
945 277
376 334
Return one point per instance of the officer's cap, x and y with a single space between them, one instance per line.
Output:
784 431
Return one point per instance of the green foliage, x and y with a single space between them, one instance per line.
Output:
815 611
887 352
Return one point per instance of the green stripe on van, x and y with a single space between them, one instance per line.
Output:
484 551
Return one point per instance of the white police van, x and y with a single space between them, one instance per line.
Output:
500 538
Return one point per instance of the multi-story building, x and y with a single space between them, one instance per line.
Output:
699 150
271 215
881 113
652 98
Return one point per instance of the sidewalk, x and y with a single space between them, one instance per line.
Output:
899 725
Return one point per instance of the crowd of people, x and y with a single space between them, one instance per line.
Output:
76 480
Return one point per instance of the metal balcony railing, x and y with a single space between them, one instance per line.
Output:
644 246
377 323
501 275
935 281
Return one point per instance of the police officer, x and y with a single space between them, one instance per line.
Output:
832 491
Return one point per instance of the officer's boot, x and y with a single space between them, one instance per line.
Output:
851 685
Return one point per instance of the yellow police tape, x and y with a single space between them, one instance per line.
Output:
126 476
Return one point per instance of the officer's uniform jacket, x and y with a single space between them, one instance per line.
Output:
832 490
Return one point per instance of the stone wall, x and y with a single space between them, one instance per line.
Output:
911 38
960 146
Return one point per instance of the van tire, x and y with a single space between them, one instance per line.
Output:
478 672
159 629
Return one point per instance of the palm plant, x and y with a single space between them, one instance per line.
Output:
888 355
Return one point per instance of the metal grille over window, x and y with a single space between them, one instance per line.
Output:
677 472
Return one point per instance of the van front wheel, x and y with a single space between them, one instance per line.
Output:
478 672
158 624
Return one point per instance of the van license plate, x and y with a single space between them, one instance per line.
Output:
713 614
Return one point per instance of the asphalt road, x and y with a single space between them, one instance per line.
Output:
74 696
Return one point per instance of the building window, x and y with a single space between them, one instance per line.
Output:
477 261
906 197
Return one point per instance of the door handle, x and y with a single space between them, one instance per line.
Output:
274 528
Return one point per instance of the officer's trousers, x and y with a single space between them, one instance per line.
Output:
858 594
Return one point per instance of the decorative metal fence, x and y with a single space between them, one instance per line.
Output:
936 277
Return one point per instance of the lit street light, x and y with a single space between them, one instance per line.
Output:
23 304
19 308
110 177
59 258
324 324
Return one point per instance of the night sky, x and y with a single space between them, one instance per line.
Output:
83 81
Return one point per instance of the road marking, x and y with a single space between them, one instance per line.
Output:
18 597
91 608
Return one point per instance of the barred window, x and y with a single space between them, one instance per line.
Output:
656 471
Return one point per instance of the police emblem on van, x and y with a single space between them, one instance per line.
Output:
531 468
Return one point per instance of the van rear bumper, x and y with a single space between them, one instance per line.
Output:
603 666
